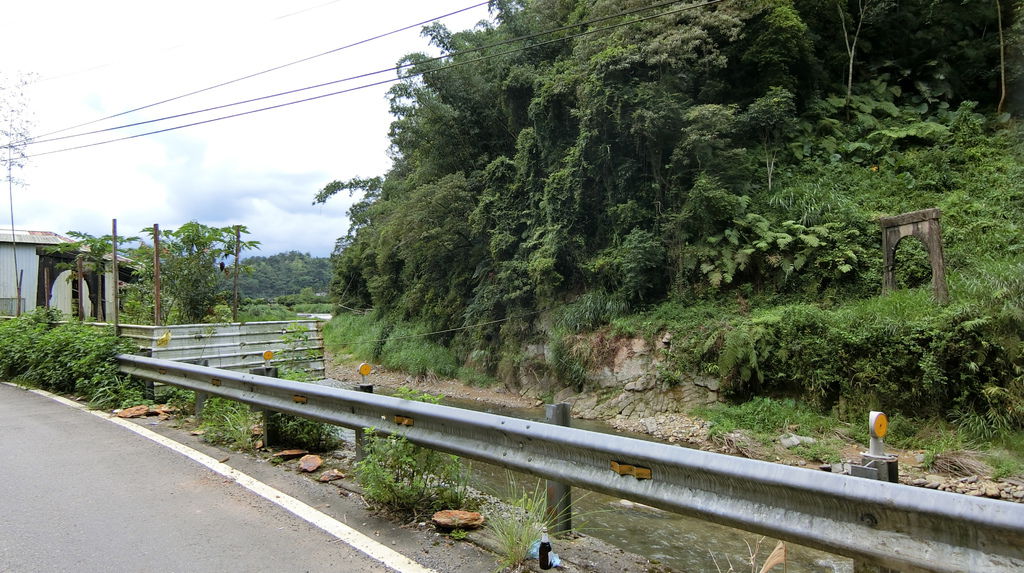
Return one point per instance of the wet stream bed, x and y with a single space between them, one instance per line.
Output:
680 542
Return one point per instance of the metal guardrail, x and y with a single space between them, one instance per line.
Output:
874 522
234 346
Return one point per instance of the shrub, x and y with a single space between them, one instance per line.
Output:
397 475
69 357
304 433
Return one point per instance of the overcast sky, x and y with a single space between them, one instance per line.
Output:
95 59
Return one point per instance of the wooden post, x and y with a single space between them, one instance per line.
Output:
47 286
156 275
100 309
238 251
117 282
81 287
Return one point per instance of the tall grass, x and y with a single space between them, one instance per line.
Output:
517 523
402 347
229 423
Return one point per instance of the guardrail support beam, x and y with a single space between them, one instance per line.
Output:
201 398
360 438
559 508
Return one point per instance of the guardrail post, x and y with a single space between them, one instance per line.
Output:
559 509
360 437
201 398
270 433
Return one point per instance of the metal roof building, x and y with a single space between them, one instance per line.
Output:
44 277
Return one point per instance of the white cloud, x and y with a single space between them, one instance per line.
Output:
260 170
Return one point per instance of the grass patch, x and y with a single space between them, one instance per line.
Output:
228 423
517 523
355 334
1005 463
406 347
767 418
409 350
265 312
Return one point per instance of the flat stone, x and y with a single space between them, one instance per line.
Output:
163 410
450 519
134 412
331 475
310 463
789 441
1019 494
290 454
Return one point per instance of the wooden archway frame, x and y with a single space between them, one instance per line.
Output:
925 226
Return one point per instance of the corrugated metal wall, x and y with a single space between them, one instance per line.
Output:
28 267
296 344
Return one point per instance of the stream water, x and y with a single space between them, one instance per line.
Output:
683 543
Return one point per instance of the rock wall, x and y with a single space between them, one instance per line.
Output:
624 383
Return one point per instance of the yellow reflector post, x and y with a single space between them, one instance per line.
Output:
879 424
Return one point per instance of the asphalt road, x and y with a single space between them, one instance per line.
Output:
78 493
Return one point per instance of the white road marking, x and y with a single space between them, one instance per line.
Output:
357 540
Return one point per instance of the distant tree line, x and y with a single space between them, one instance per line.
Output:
284 274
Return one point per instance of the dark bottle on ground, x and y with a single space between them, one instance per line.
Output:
545 550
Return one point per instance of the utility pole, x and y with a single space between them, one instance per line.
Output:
14 237
156 275
116 290
238 251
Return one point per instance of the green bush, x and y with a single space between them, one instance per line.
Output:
298 432
397 475
766 418
67 357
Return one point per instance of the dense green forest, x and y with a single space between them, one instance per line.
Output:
713 171
283 274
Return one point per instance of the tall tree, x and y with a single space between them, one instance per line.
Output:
191 259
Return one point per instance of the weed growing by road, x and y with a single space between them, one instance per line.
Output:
229 423
400 476
297 432
517 522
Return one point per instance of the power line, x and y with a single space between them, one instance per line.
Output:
360 76
398 68
260 73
